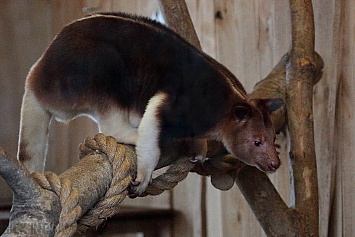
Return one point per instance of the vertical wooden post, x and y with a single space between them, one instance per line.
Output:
299 87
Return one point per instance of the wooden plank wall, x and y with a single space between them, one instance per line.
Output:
24 35
345 194
248 37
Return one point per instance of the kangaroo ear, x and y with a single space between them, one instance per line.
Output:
241 112
273 104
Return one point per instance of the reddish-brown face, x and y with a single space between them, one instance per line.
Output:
248 134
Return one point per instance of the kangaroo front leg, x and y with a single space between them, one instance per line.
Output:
148 151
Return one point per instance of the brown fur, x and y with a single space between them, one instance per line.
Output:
144 85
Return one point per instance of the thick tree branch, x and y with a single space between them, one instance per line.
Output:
300 74
34 210
274 86
17 177
266 203
178 18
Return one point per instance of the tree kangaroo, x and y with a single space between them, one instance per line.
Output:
145 85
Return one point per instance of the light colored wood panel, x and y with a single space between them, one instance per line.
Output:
245 35
203 17
144 8
280 30
347 122
253 36
238 218
328 45
236 36
186 200
215 214
65 11
227 36
335 228
25 33
125 6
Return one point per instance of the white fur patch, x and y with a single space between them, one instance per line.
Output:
148 151
117 123
134 119
33 138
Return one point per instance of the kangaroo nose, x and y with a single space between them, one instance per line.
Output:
275 164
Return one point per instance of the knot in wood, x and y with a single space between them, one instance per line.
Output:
219 15
307 65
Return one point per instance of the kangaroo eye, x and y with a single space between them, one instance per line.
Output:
257 143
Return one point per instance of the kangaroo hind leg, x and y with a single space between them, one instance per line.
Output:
33 138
